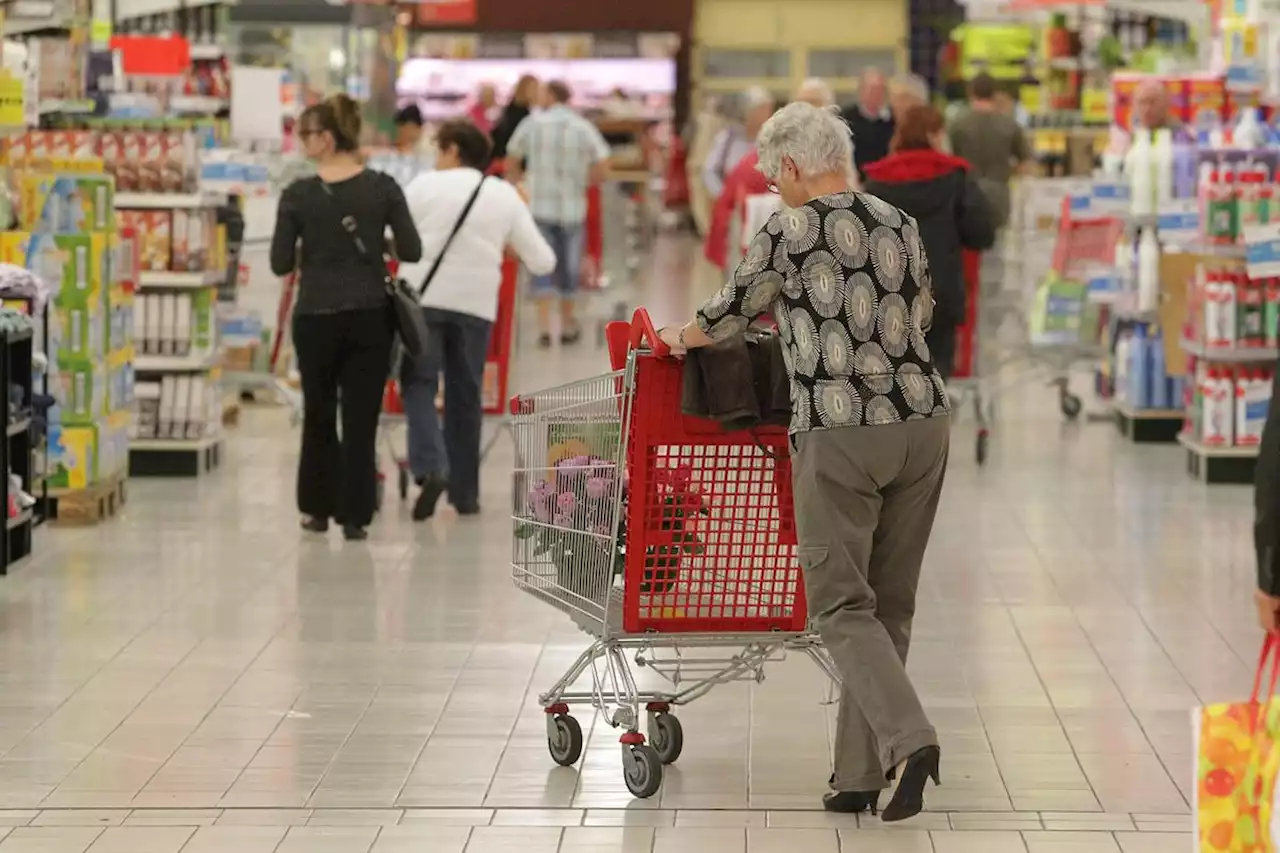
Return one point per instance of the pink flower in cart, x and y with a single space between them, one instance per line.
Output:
566 502
562 521
540 500
681 476
598 488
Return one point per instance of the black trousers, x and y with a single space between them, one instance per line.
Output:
343 355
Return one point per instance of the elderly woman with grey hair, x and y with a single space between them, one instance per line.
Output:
746 116
846 278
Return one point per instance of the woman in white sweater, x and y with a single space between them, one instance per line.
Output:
466 223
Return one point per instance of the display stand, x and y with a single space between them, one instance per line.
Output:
1149 426
17 450
178 431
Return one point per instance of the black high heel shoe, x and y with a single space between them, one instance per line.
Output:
908 799
353 533
850 802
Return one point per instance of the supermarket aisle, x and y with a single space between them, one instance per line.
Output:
200 677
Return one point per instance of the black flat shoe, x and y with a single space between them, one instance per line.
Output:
354 534
472 509
544 341
908 799
851 802
425 506
570 338
315 525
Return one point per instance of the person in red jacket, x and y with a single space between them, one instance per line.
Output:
743 179
950 211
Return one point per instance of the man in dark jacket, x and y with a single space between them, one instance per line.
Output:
1266 524
950 210
870 120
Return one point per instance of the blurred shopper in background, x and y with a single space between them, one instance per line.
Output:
737 139
742 179
482 109
870 120
484 217
523 99
410 138
907 91
846 277
950 210
815 92
565 154
992 143
700 135
342 322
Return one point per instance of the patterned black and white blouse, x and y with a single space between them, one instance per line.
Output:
846 278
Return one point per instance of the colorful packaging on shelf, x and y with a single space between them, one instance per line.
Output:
154 236
1253 400
1218 394
66 204
81 455
84 392
83 333
75 266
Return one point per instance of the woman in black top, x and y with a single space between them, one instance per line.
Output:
516 111
342 323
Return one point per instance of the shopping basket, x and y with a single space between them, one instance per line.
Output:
655 532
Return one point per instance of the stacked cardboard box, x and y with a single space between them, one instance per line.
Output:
68 236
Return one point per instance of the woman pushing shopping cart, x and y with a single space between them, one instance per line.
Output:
666 532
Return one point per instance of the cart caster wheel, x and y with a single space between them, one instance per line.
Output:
642 771
1071 406
666 736
404 484
983 447
566 744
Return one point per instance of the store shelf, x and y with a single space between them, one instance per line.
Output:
1217 250
207 52
197 362
203 104
177 279
1214 465
168 201
67 107
159 457
1230 354
1150 426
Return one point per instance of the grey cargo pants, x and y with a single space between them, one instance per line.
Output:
865 500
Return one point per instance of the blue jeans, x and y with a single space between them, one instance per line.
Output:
567 242
456 347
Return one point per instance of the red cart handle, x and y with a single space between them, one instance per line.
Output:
623 337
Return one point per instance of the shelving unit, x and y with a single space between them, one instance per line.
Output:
1150 426
1215 465
179 453
17 449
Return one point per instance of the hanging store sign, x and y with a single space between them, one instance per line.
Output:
447 13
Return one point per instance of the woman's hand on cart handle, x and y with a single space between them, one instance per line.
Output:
673 338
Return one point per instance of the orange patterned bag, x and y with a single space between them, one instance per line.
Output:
1237 762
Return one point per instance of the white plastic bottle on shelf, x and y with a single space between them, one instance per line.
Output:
1162 164
1124 352
1249 134
1222 331
1138 167
1253 398
1219 401
1243 391
1211 306
1148 271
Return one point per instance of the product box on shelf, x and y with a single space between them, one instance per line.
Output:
82 455
84 392
65 204
75 266
154 236
177 406
83 333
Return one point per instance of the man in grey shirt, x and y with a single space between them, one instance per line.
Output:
993 144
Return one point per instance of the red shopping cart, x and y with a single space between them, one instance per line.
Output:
656 533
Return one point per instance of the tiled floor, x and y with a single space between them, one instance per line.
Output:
197 676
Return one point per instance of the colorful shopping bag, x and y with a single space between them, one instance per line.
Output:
1237 761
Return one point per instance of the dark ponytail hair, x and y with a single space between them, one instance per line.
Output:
339 116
